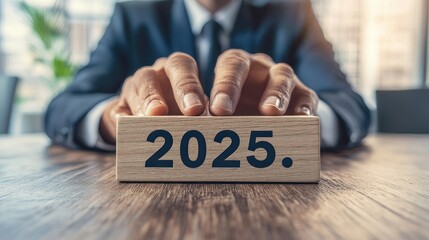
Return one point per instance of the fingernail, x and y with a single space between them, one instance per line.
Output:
191 100
274 101
223 101
152 105
303 110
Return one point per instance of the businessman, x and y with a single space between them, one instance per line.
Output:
200 57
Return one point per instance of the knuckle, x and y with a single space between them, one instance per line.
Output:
148 94
234 55
127 81
233 67
160 61
262 57
127 85
228 85
180 58
234 63
144 72
186 84
237 52
283 69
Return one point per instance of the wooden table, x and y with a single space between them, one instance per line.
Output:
378 191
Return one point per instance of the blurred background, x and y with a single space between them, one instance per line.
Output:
380 45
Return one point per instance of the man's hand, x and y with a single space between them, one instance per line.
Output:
170 87
244 84
248 84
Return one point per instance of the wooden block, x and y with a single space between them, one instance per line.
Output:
218 149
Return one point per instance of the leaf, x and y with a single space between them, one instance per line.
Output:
41 23
51 30
62 67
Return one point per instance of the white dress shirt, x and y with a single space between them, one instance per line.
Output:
199 16
88 131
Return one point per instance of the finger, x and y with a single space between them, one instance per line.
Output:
182 71
232 69
129 98
145 96
305 102
277 94
207 107
260 66
120 110
107 126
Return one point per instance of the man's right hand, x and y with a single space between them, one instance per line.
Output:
148 91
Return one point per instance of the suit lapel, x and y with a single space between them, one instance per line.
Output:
182 38
241 36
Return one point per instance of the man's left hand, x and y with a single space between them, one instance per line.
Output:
252 84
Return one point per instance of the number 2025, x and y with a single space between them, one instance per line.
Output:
221 161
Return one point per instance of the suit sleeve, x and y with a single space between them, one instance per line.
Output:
316 67
99 80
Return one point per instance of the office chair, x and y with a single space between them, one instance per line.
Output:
7 94
403 111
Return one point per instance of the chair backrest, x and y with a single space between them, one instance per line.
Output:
7 94
403 111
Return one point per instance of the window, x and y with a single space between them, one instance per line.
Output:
87 21
378 43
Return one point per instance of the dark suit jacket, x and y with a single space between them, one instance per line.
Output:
140 32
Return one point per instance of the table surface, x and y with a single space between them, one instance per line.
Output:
377 191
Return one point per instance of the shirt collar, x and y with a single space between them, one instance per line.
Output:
199 16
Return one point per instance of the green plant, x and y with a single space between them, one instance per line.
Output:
49 46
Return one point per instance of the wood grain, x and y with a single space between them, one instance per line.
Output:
379 191
295 137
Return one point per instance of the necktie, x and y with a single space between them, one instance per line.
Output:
213 30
